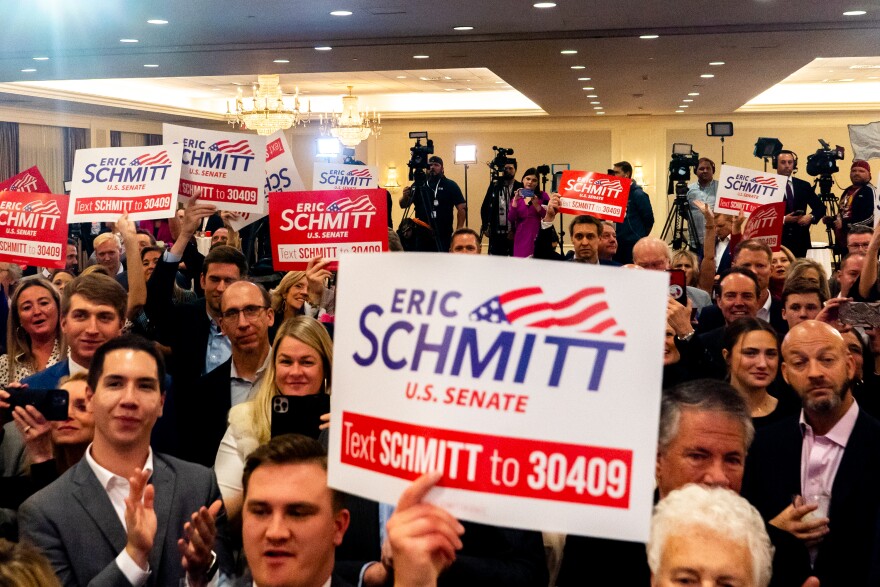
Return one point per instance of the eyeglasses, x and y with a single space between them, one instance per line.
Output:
250 313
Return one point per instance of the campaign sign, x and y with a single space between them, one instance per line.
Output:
139 180
536 391
338 176
223 168
765 224
746 189
33 228
281 176
325 224
29 180
596 194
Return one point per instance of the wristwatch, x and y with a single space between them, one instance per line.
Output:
687 336
212 570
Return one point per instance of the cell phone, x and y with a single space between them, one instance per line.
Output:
526 193
678 286
864 314
298 414
51 403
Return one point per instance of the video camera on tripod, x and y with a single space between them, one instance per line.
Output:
680 218
418 161
824 160
501 159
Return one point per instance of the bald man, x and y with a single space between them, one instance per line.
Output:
829 454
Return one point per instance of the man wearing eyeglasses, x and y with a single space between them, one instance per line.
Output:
245 318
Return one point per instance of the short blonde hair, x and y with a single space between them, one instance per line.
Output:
105 237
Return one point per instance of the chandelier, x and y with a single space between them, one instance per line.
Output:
267 113
350 126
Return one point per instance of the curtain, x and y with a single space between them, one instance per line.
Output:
153 139
115 138
133 139
43 146
74 138
8 150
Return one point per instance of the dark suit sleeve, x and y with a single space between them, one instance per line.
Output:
817 206
646 212
160 305
498 556
486 210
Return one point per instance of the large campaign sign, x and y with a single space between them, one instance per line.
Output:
339 176
139 180
746 189
325 224
596 194
33 228
536 391
223 168
281 176
29 180
765 224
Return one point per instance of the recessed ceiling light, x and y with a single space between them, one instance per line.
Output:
157 21
450 89
649 36
446 77
28 70
128 40
568 52
462 28
41 59
688 100
323 48
545 5
597 108
854 13
595 102
592 96
401 77
708 75
600 112
588 88
500 82
281 61
578 66
150 65
679 111
716 63
694 94
421 56
682 105
847 79
341 13
584 79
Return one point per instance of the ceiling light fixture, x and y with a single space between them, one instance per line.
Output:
28 70
41 59
592 96
323 48
597 108
854 13
401 77
688 100
351 126
578 66
544 5
694 94
568 52
421 56
600 112
707 75
646 37
281 61
589 88
679 111
716 63
682 105
151 65
595 102
462 28
157 21
128 40
341 13
584 79
268 112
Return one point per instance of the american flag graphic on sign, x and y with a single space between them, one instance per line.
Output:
586 310
610 184
40 207
360 173
147 159
242 147
361 204
27 183
771 181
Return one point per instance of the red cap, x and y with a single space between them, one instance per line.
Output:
863 164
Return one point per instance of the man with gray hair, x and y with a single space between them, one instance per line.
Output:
708 535
653 253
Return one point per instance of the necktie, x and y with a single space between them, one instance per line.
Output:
789 196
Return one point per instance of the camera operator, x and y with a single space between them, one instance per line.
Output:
798 195
495 208
856 204
704 189
433 211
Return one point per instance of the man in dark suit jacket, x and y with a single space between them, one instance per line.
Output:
799 195
840 446
138 533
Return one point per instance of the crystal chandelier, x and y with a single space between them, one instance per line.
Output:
267 113
350 126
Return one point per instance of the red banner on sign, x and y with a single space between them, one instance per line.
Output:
145 204
33 228
325 224
490 464
596 194
29 180
765 224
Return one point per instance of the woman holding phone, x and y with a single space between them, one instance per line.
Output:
301 364
527 209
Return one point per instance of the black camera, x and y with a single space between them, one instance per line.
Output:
683 158
418 160
501 159
544 169
824 160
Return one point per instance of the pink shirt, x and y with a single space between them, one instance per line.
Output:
821 455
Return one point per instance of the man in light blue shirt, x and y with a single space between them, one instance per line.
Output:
704 189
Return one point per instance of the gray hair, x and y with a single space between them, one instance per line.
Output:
718 510
705 395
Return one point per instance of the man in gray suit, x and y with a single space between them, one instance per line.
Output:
124 515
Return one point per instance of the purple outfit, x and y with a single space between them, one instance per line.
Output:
525 222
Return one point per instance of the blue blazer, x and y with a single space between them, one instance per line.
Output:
48 377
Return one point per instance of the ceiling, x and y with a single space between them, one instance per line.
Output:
761 42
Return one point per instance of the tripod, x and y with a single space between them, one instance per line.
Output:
421 193
825 181
680 220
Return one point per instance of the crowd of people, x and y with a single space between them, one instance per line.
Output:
171 468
